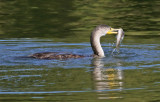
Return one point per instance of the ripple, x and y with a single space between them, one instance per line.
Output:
54 92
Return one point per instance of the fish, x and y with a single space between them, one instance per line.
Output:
120 37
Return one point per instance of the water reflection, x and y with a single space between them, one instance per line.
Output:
107 79
60 18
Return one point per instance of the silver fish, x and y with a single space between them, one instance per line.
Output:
120 37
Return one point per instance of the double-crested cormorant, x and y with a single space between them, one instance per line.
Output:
96 34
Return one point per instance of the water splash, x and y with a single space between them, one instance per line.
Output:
115 52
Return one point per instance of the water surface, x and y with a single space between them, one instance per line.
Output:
122 77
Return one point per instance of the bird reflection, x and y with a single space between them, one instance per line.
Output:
107 80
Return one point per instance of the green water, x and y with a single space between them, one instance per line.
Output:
30 26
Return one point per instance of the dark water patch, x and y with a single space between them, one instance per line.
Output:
61 19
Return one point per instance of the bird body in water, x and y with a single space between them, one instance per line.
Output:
96 34
55 55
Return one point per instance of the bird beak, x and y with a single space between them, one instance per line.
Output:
113 31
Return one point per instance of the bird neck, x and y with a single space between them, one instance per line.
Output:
96 45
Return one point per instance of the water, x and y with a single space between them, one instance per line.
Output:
27 27
131 75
